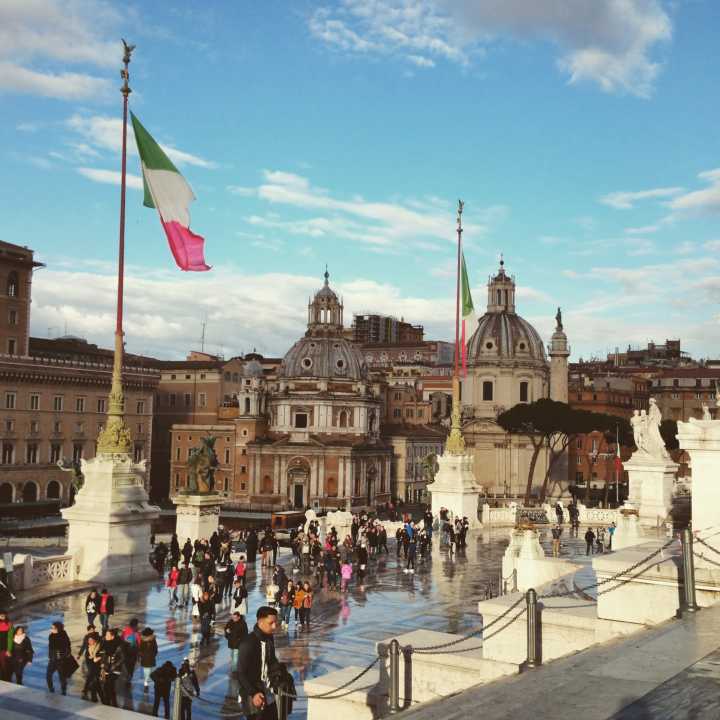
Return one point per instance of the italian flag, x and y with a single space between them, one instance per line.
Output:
168 191
468 314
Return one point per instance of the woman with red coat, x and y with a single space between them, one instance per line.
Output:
172 584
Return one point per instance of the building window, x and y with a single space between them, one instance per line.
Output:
171 397
398 396
487 390
31 454
9 425
578 444
226 485
139 429
676 383
12 284
177 453
244 452
331 487
34 402
188 399
419 413
244 433
579 479
34 426
301 420
397 412
408 412
674 396
243 469
12 317
12 346
227 377
202 376
698 396
173 377
247 406
202 400
189 452
140 409
235 377
137 454
58 403
242 486
100 428
698 382
578 460
187 377
227 456
57 427
79 428
55 450
10 398
177 480
77 452
101 405
594 446
524 391
8 453
80 404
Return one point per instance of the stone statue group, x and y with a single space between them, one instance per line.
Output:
646 432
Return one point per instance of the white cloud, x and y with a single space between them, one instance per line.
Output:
606 42
380 224
111 177
27 127
713 245
61 86
37 36
635 246
421 61
701 201
687 247
105 133
626 200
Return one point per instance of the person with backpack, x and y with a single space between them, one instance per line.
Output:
111 665
131 642
285 601
184 580
190 682
92 606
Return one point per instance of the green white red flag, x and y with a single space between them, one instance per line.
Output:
168 191
467 314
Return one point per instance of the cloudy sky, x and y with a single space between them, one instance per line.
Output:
582 136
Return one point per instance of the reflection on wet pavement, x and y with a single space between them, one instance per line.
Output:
442 596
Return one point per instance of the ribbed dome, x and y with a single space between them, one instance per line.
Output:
505 335
325 358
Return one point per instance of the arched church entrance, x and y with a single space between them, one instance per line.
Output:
298 483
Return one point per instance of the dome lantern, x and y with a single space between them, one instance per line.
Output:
501 291
325 311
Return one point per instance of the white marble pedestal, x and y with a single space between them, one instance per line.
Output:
109 525
651 483
198 516
455 488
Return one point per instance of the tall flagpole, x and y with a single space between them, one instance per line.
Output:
115 437
455 444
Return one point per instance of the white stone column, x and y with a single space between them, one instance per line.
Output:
276 474
321 477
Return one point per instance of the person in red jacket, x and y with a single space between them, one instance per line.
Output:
172 583
6 643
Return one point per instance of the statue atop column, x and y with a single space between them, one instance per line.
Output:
646 433
202 464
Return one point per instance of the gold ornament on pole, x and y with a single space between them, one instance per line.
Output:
115 438
455 444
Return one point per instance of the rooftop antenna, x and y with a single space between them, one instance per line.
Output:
202 336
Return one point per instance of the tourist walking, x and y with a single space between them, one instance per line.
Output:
58 650
163 679
187 551
21 654
92 606
600 539
239 598
306 607
190 683
287 597
130 638
172 584
147 652
589 540
252 546
556 533
611 532
92 656
346 574
256 663
206 608
111 666
106 608
184 580
236 630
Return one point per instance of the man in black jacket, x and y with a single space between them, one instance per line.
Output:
163 678
236 630
256 662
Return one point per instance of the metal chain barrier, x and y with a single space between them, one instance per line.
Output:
707 544
190 694
612 578
473 633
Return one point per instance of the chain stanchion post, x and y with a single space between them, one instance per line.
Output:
691 605
533 657
177 700
394 654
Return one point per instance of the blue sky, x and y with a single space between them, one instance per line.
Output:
582 137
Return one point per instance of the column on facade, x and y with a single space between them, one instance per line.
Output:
321 477
388 470
350 477
276 475
312 485
283 479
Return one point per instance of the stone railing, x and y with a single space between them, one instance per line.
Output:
512 514
33 572
597 516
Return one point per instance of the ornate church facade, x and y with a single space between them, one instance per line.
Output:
322 444
508 364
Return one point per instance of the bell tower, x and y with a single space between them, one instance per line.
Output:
501 291
325 312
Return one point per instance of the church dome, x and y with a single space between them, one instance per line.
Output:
501 334
325 358
324 353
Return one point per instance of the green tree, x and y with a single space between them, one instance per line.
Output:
553 425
